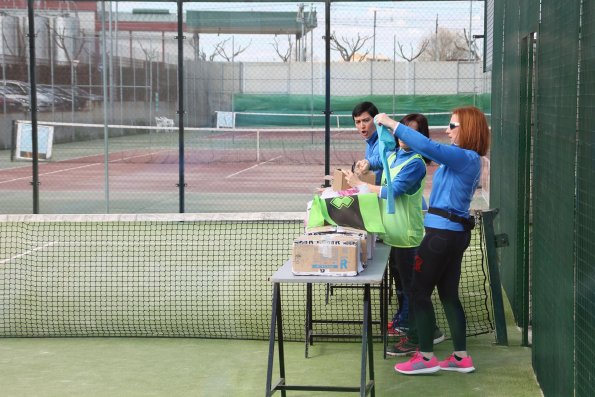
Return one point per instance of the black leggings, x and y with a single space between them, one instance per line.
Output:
438 264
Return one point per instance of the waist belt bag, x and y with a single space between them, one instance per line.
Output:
468 223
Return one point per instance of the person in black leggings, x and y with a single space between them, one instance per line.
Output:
448 229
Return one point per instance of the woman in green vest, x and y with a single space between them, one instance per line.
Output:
404 228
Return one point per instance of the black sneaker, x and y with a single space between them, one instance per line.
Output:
402 348
438 336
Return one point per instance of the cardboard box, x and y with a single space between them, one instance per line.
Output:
340 183
327 254
368 240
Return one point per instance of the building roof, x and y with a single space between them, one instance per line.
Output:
217 22
249 22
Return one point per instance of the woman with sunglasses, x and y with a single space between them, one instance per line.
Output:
448 227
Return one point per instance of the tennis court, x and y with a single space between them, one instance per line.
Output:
235 170
101 323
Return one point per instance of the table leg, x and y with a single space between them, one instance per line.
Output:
276 320
367 346
384 293
371 342
308 325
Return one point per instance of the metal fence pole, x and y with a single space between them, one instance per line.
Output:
327 99
33 93
180 38
105 105
495 285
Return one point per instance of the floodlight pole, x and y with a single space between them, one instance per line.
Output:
180 38
105 104
33 101
327 100
373 57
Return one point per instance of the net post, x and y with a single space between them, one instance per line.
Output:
257 146
495 285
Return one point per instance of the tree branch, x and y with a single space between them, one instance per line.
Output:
284 56
347 48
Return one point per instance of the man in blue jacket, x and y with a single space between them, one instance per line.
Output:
363 116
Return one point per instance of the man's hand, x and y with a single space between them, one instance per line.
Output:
362 167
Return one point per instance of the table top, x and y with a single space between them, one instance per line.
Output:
372 274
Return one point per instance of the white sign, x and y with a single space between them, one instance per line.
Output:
226 119
23 149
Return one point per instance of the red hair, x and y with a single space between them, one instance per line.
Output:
474 132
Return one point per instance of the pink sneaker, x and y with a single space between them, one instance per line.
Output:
418 365
452 364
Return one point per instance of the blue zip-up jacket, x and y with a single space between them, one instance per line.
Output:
409 179
454 182
373 156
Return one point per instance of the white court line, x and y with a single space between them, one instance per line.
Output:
82 166
254 166
3 261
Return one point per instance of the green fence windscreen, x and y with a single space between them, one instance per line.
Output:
585 216
555 151
504 152
249 108
543 182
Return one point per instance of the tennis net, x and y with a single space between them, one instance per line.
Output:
136 144
175 275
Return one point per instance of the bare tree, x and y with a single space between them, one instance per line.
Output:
470 47
203 56
411 57
150 53
199 53
221 50
347 48
194 43
285 56
72 55
61 40
218 50
445 45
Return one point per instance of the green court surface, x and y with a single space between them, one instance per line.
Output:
113 367
69 296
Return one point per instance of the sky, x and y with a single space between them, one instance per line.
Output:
403 22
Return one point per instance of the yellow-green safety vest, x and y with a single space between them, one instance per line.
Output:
404 228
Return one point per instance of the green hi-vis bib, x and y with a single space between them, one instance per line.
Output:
404 228
361 211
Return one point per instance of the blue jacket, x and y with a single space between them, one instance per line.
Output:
373 156
454 181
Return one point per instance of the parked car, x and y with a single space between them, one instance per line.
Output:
82 93
12 105
10 95
19 90
63 98
59 101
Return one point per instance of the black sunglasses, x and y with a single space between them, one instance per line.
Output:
452 126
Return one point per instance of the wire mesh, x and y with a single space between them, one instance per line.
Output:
117 63
176 275
561 160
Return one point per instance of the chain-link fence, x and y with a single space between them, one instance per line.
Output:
542 178
105 73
